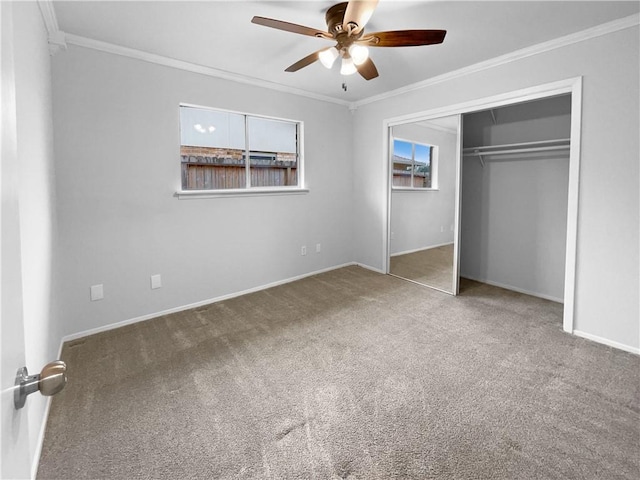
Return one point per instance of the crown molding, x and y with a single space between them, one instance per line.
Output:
59 40
193 67
560 42
49 16
56 37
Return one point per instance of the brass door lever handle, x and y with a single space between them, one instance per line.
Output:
49 381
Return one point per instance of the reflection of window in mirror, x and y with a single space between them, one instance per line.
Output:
414 165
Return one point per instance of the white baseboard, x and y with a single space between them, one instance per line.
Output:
606 341
421 249
105 328
45 417
40 441
368 267
515 289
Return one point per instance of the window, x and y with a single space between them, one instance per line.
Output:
413 164
215 145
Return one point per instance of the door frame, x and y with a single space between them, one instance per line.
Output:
572 86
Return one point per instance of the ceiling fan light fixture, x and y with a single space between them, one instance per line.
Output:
328 56
359 53
348 67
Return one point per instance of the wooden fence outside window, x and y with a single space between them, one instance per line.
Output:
206 168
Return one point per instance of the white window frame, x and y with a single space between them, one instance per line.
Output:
300 188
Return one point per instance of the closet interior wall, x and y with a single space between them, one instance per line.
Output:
514 206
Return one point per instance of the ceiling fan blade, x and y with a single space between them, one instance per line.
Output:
289 27
358 13
404 38
308 60
368 70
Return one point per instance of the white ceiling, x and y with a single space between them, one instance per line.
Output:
219 34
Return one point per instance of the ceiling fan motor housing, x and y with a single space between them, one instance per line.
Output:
334 18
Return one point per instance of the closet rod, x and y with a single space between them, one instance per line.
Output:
539 143
526 144
476 152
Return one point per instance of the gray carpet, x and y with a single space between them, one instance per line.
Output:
432 267
348 374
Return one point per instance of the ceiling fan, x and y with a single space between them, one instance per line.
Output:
345 25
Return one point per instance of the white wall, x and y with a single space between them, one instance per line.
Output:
117 143
514 208
607 285
417 217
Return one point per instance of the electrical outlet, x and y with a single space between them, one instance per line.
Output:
156 281
318 248
393 235
303 250
97 292
441 228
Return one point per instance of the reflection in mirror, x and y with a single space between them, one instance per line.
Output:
423 161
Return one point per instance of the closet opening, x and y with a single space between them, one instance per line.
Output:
515 193
514 196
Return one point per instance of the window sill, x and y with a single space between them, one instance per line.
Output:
409 189
253 192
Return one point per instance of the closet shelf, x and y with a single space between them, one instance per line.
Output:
512 148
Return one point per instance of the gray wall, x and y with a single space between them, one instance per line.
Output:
117 144
607 286
417 216
514 209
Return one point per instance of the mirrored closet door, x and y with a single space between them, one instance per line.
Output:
424 165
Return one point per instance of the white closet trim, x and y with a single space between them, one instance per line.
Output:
572 86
